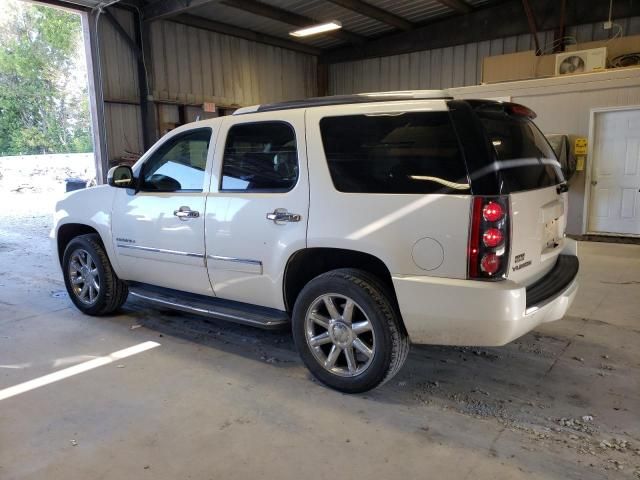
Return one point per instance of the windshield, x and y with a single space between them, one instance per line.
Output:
523 157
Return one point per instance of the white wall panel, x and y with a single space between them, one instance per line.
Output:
448 67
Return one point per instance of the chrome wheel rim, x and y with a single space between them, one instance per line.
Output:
84 276
339 335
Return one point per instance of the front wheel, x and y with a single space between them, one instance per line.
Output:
348 332
92 284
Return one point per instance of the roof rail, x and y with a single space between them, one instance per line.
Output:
347 99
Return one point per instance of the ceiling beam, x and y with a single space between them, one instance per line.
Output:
67 5
488 23
459 6
284 16
170 8
376 13
226 29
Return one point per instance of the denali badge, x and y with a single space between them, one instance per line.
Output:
522 265
125 240
519 258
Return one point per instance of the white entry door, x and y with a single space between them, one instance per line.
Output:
615 176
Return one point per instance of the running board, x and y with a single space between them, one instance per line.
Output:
218 308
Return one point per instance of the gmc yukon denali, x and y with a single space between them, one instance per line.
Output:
364 223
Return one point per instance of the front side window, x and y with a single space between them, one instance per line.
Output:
260 157
179 164
412 152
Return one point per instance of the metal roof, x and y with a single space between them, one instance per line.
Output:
356 24
417 12
239 18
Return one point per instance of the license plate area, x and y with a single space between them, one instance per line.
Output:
551 235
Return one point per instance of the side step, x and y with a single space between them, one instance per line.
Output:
229 310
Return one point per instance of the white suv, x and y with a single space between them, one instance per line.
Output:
366 222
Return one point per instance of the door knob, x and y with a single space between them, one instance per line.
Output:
185 213
594 182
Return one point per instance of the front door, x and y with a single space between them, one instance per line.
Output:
615 178
158 231
258 205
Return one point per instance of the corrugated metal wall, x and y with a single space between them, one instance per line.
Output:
192 66
447 67
120 87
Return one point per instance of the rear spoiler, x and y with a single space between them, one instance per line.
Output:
510 108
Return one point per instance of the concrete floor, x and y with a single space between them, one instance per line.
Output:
218 401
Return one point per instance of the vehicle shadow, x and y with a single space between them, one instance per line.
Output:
274 347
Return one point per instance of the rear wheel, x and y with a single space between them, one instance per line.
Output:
347 331
92 284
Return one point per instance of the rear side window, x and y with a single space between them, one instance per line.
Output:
524 158
260 157
394 153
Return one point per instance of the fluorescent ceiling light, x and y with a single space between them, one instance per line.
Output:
314 29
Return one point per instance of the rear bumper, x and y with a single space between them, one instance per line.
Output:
465 312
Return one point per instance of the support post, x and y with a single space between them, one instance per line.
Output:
140 48
147 106
96 101
322 74
559 33
532 24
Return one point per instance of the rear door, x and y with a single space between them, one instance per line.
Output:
257 209
529 172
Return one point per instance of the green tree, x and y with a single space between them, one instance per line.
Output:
43 95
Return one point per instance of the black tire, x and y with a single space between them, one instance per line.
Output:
112 293
375 302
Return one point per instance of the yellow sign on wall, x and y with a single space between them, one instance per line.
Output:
580 146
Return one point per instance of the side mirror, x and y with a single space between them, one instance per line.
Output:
121 176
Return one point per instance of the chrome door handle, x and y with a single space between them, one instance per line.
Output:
184 213
280 215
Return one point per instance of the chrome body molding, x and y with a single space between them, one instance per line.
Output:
244 265
233 259
161 250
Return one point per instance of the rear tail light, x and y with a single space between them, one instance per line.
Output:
492 212
490 263
492 237
489 237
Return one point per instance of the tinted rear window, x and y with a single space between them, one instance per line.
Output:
524 158
394 153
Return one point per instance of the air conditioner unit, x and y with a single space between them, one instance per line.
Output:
581 61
